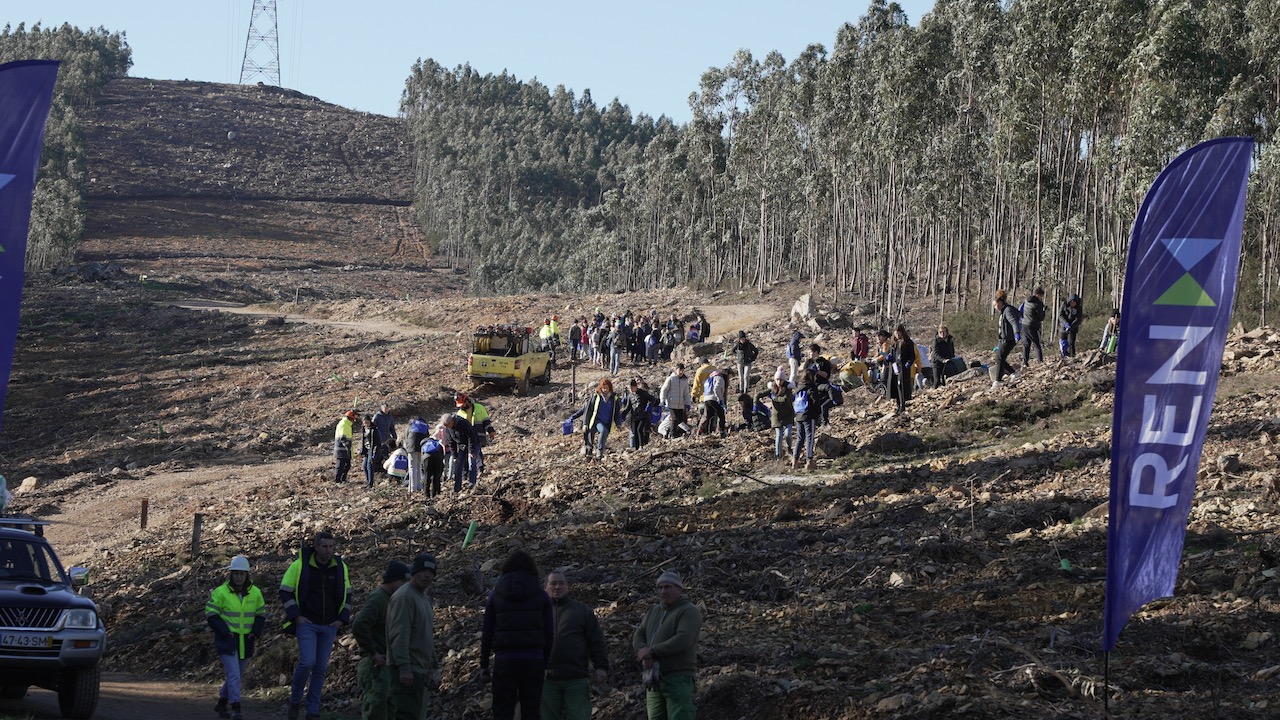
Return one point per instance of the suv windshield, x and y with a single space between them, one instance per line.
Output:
26 560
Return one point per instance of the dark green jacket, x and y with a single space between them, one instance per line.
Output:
370 626
578 639
672 636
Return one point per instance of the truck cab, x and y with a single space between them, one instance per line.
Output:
508 354
50 635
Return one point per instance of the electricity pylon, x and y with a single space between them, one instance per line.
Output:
262 46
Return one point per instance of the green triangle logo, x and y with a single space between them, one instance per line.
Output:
1186 292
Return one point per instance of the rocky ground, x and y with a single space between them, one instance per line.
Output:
948 562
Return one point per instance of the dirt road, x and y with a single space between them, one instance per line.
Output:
136 697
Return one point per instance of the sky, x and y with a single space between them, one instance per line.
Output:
650 55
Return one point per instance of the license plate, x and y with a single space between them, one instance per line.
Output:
25 641
493 375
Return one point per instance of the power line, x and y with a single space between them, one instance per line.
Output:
262 45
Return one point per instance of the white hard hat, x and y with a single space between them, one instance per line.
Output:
240 563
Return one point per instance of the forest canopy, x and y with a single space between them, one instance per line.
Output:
993 145
89 59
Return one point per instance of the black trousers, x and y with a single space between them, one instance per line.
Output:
1030 337
517 682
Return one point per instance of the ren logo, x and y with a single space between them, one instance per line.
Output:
1173 424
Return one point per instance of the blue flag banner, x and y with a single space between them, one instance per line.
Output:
26 91
1180 282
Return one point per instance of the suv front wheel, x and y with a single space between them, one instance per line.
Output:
78 692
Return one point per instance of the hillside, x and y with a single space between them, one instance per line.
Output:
947 562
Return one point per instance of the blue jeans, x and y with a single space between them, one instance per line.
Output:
315 642
233 671
600 435
368 470
804 437
615 361
460 463
782 438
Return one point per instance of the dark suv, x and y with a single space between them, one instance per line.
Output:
50 636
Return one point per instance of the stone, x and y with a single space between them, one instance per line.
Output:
1228 462
831 447
28 484
803 308
548 491
895 442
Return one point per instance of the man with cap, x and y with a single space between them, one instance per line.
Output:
566 691
234 613
342 446
386 424
411 647
370 631
666 644
478 416
461 441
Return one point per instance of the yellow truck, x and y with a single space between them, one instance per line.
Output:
502 354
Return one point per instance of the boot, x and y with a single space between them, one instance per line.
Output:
293 712
809 465
795 463
235 712
221 708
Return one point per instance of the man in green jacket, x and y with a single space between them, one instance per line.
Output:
566 691
370 631
411 648
666 644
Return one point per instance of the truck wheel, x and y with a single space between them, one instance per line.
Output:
522 385
78 692
13 692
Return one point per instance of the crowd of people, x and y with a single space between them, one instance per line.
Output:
539 648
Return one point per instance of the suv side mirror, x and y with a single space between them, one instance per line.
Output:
79 577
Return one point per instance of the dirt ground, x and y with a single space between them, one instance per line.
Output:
135 697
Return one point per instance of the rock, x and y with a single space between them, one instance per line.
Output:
1228 462
787 513
999 432
831 447
895 442
28 484
897 579
814 325
838 510
548 490
803 308
866 309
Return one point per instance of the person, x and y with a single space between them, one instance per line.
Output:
1033 313
703 327
794 353
545 333
602 411
713 405
819 368
861 345
316 593
370 631
460 442
433 461
675 395
746 353
234 613
904 359
575 341
699 385
854 373
941 354
782 413
1009 324
617 341
478 416
566 692
1071 316
370 449
518 630
639 402
413 438
1111 333
666 644
808 409
386 424
342 446
411 648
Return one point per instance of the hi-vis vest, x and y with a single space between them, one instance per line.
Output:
236 611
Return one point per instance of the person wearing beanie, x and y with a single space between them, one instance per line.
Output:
666 644
566 691
370 631
411 648
234 613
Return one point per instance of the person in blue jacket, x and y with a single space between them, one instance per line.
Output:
602 411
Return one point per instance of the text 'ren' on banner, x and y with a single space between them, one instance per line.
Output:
1180 282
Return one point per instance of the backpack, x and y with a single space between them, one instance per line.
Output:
398 464
801 402
837 394
708 389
